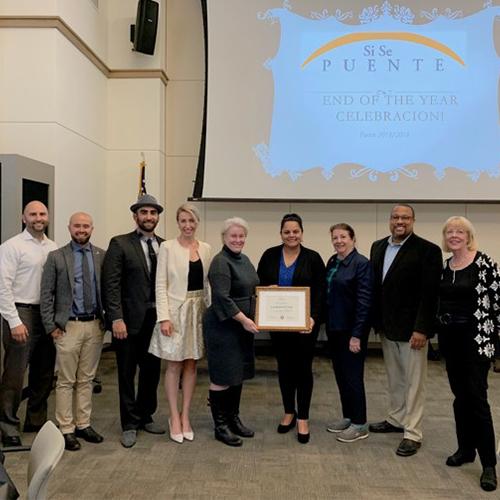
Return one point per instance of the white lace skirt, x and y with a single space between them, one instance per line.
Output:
186 342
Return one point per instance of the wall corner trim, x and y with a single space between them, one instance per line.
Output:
56 22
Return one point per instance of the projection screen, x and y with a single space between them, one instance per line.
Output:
351 100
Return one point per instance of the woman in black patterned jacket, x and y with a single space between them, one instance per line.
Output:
469 318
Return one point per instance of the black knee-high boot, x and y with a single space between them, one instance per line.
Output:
235 424
219 405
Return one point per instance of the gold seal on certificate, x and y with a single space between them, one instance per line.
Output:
283 308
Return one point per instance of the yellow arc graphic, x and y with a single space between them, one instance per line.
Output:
404 36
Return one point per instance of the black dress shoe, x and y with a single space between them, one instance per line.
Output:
384 427
11 441
408 447
89 434
70 442
489 479
303 438
284 428
460 457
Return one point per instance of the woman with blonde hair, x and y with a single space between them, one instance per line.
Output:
182 295
469 326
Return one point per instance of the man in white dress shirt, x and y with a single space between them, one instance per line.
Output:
24 339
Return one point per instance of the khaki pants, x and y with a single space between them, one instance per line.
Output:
406 374
78 354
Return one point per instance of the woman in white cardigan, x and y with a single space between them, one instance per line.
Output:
182 296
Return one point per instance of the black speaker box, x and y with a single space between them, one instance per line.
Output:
143 32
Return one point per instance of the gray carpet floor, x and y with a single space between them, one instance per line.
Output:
269 466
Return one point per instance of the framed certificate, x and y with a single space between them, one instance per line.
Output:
283 308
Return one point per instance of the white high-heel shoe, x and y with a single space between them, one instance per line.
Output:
177 438
188 435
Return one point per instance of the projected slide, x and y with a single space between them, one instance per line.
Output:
382 101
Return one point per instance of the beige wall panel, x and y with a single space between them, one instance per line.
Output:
319 217
184 117
429 218
135 111
486 220
28 7
79 182
27 58
89 22
81 91
185 45
180 172
34 140
263 219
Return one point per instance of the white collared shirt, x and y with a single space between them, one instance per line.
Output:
21 263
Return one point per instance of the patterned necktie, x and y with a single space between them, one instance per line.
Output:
87 284
152 269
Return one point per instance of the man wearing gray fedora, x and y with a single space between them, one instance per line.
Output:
128 284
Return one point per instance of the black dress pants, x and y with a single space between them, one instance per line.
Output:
39 353
468 377
294 353
349 370
137 408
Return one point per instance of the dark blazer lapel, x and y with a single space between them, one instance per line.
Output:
299 268
378 260
67 252
401 255
136 243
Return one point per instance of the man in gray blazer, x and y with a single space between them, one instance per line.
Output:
72 313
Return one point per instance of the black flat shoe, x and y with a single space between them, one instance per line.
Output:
489 479
459 458
284 428
303 438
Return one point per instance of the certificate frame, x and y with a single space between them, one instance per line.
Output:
283 308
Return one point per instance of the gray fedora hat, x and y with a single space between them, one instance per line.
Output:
146 200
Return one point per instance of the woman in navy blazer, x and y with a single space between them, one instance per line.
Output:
291 264
349 296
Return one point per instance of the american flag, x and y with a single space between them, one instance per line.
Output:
142 179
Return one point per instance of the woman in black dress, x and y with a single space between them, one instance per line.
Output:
469 325
292 264
228 330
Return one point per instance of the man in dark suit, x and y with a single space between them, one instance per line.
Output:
72 313
129 296
407 271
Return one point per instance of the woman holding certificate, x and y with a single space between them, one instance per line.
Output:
349 295
291 264
228 329
182 295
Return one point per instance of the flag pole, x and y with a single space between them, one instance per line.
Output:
142 177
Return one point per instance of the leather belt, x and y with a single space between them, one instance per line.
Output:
84 317
27 306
